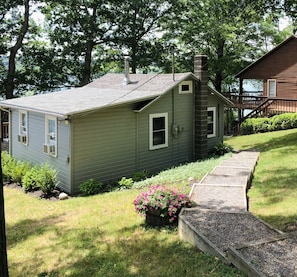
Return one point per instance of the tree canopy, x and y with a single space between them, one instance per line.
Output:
82 39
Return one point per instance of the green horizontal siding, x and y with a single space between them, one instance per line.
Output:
104 145
33 152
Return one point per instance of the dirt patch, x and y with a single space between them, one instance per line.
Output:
54 196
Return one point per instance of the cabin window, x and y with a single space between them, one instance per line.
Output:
23 127
50 146
211 122
186 87
158 131
271 87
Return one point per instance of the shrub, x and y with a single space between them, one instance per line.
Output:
8 164
40 177
29 181
47 179
19 171
140 176
278 122
125 183
91 187
222 149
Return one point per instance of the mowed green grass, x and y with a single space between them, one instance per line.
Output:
273 195
102 235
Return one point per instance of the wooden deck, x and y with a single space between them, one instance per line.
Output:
268 106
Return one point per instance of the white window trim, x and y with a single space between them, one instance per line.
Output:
213 109
151 140
269 82
47 141
189 83
23 135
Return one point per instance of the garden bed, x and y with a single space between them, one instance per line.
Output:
215 231
272 257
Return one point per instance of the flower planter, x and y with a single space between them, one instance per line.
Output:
153 218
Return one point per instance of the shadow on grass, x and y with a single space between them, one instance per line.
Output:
286 140
278 187
281 222
26 228
143 252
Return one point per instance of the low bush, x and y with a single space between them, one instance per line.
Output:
140 176
91 187
42 177
260 125
8 165
47 179
29 182
19 171
126 183
221 149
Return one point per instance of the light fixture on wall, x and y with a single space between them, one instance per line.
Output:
66 120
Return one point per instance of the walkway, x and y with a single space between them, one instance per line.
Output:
221 224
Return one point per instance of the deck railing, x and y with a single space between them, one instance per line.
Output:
249 102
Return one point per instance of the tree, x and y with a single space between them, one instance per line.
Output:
76 28
290 7
140 26
226 31
24 26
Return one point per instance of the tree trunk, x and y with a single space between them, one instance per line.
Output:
87 65
3 251
13 52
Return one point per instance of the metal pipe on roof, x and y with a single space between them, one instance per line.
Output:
127 68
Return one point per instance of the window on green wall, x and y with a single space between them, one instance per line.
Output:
50 145
158 126
211 122
23 127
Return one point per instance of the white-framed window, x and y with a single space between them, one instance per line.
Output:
23 127
50 145
271 87
211 122
186 87
158 129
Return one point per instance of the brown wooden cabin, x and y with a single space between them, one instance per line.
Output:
278 71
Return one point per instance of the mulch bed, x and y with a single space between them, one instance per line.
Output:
36 193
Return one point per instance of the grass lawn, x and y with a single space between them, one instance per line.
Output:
273 196
102 235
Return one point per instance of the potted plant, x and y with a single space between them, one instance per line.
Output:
161 205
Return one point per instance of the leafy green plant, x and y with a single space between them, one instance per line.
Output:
222 148
42 177
167 201
29 181
140 176
47 179
8 165
125 183
91 187
261 125
19 170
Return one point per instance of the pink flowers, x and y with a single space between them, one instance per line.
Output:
159 198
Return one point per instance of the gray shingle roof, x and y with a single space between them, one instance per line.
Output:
106 91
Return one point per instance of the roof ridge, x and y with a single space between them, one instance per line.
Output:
137 87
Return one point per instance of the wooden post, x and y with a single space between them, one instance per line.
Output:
3 250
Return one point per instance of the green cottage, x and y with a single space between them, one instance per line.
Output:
118 125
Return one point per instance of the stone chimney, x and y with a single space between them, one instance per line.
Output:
127 69
201 96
